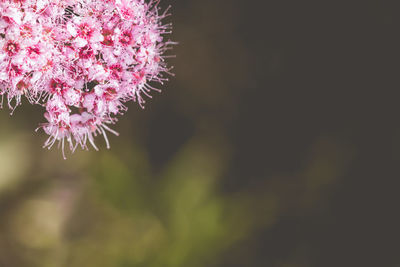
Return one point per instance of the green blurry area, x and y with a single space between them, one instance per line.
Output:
111 208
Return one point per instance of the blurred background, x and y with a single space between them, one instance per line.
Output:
276 144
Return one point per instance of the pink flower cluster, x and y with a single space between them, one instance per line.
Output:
81 60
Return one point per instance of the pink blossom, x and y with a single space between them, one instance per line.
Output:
81 61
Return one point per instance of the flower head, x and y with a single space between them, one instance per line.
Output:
80 60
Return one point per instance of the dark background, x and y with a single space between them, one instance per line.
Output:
277 143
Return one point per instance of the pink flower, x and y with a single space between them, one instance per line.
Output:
11 48
81 61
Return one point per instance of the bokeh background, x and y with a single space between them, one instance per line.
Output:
276 144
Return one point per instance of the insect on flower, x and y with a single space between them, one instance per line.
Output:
81 61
